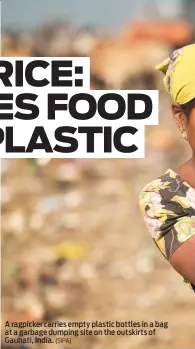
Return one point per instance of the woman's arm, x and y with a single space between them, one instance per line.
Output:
183 260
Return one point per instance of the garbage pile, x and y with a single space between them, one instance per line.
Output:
75 246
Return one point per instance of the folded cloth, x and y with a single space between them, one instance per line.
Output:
179 70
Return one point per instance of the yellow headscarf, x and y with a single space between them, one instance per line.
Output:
179 70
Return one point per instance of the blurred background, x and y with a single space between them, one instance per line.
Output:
74 245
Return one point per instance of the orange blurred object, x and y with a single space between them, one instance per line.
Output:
175 32
22 316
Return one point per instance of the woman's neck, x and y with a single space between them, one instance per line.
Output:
187 171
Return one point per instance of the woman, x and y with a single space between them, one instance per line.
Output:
168 203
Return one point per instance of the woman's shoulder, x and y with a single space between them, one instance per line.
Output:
152 193
162 182
168 189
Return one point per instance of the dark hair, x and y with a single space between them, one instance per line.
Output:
187 107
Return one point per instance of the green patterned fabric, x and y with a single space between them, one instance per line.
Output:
168 207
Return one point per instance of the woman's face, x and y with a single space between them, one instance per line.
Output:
187 123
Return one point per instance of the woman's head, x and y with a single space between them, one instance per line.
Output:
179 70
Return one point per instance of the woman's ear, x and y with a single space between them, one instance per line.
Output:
178 114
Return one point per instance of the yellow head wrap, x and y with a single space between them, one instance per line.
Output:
179 70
